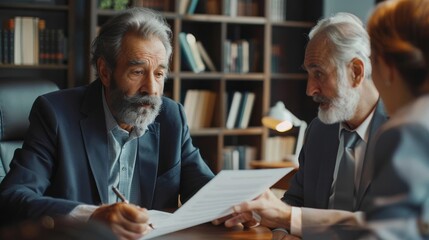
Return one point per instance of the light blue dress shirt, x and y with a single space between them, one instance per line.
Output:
122 152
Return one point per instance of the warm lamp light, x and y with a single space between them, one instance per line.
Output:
282 120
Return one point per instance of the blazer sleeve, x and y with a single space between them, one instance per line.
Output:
22 190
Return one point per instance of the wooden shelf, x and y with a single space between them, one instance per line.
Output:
44 7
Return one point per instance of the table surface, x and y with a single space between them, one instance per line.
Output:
210 231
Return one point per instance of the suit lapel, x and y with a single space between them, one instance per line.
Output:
368 165
148 158
328 158
93 129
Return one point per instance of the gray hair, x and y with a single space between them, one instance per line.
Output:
348 38
146 23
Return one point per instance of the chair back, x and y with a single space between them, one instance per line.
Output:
16 99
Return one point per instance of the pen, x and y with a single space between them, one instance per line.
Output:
119 194
123 199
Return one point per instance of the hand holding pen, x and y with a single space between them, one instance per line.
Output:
126 220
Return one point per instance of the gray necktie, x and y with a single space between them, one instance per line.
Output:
345 183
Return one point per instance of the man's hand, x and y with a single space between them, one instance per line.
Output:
272 211
127 221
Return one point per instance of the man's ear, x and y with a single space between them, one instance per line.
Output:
358 71
104 72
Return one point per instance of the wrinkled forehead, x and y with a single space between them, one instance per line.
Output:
319 53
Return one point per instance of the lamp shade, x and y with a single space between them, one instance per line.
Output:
279 118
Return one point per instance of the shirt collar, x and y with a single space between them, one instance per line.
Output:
362 130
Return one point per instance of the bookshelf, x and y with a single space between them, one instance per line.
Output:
59 16
270 78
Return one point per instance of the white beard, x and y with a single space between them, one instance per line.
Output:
342 107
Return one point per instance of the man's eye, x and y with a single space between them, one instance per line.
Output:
138 72
160 74
317 74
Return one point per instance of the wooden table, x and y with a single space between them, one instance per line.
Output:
211 232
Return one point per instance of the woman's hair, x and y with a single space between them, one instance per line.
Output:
348 39
399 33
144 22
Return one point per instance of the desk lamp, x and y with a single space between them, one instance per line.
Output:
282 120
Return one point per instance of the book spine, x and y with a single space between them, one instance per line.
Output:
59 46
1 46
42 39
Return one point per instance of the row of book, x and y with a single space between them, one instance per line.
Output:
238 157
194 54
235 8
199 107
241 56
26 41
280 148
240 105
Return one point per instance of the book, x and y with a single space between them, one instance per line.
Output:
1 46
191 100
199 109
247 110
192 42
205 56
241 109
208 109
8 41
187 53
213 7
244 56
183 5
17 41
27 40
246 155
233 110
192 6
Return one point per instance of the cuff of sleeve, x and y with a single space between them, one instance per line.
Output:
296 222
82 212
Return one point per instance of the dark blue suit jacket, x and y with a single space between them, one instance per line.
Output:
311 185
64 162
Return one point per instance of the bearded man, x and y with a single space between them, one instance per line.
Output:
333 177
118 132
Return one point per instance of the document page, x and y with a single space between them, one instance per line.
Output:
216 198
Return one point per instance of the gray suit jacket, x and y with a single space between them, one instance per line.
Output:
63 159
310 187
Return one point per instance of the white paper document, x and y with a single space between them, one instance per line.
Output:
216 198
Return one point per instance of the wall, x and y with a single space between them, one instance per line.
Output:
361 8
